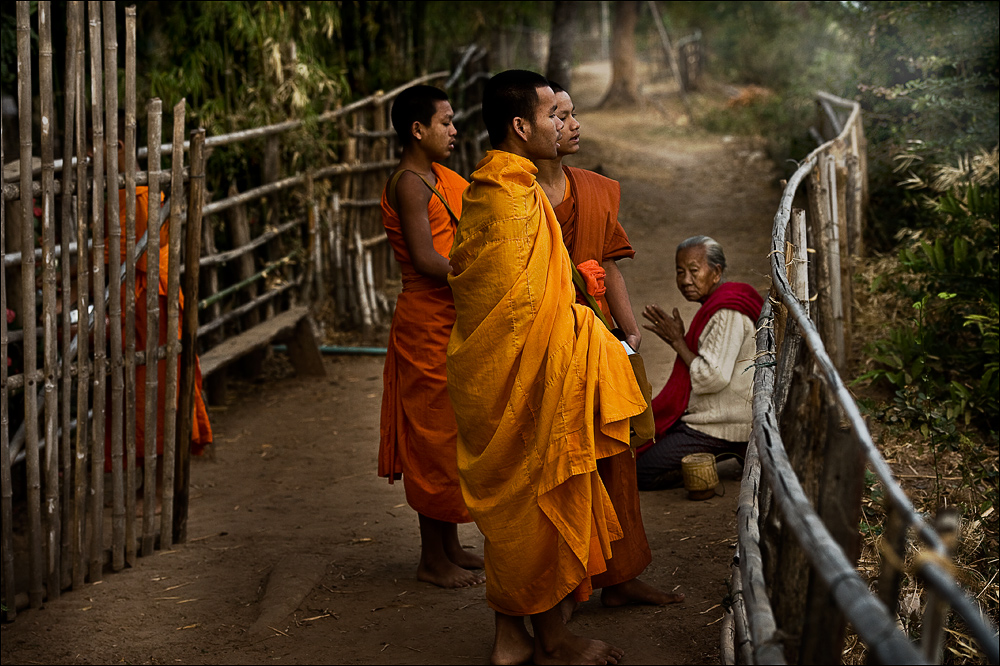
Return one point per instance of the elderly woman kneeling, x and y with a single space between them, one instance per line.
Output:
706 404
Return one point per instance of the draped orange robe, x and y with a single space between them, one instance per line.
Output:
588 216
201 428
541 391
417 434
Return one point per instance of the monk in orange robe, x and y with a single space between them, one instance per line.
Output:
541 389
420 208
586 205
201 428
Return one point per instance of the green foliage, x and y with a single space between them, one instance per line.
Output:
943 363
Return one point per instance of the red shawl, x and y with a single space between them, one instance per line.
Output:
671 403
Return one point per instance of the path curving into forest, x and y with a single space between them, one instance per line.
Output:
298 553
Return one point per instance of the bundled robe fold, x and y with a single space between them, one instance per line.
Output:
591 231
541 391
418 425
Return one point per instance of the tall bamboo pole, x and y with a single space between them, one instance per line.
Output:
100 327
154 109
130 168
27 313
80 477
173 324
67 233
53 512
189 336
114 222
6 489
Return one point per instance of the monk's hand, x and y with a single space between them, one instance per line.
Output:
658 318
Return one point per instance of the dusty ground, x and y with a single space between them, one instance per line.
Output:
299 553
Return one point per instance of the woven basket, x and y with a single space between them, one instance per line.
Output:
700 475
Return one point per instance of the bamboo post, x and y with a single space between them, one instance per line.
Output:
100 328
81 479
820 278
113 221
66 235
240 229
840 201
337 252
798 272
831 239
189 337
154 112
130 389
173 325
312 228
27 309
893 555
948 524
53 511
6 481
272 171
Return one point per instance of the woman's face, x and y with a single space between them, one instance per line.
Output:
696 279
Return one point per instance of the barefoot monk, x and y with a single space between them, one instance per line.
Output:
541 389
420 208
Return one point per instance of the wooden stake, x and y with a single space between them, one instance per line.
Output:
113 220
27 310
80 475
170 443
6 481
67 234
100 327
53 512
131 537
155 118
189 336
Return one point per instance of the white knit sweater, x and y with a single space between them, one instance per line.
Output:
721 384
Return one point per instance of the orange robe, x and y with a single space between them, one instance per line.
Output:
201 428
418 430
591 231
541 391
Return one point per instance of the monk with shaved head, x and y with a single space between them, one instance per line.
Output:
540 388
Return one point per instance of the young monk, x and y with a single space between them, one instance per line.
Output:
420 208
586 206
201 428
541 389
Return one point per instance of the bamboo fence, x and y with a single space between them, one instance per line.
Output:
794 584
292 244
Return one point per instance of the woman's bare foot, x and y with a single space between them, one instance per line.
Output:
637 592
512 644
444 573
554 644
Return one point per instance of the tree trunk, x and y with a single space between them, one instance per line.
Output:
624 89
560 65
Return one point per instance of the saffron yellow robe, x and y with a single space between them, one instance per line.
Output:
541 390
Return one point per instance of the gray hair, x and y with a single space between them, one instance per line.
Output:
713 251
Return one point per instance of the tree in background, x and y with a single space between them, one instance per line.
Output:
624 88
561 41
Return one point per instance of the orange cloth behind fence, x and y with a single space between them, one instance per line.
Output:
417 435
201 428
541 391
591 231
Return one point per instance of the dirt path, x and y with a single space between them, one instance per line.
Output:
299 554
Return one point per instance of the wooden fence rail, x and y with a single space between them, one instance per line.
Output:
795 582
291 243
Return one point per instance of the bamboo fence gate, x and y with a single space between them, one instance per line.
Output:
794 584
266 257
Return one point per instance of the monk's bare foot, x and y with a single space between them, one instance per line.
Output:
444 573
577 650
464 558
513 644
637 592
554 644
566 608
